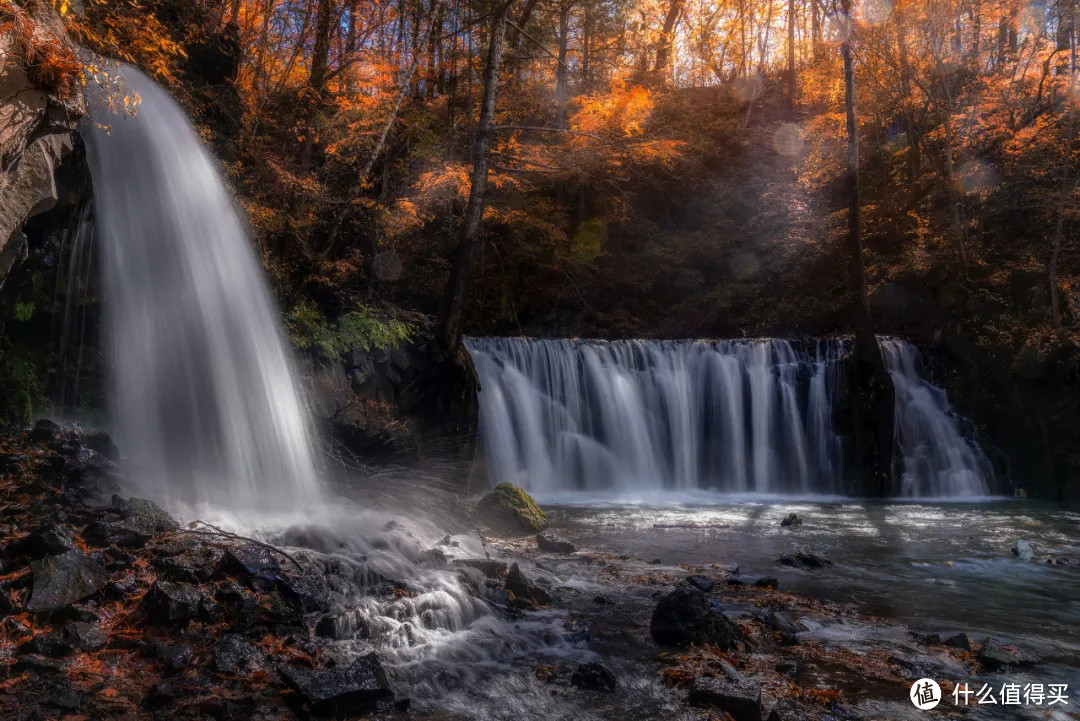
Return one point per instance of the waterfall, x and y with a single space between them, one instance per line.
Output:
748 416
204 400
638 416
934 456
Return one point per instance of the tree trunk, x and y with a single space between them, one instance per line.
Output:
560 69
315 94
872 392
791 53
452 313
663 47
1059 227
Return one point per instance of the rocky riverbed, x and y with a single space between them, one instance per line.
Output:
113 609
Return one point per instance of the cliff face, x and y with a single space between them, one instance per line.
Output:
37 118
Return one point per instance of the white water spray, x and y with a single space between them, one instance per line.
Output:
204 400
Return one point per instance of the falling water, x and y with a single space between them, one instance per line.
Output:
204 401
936 459
74 326
753 416
633 416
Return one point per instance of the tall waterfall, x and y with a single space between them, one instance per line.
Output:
637 416
205 403
937 460
748 416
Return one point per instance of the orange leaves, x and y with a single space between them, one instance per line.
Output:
623 111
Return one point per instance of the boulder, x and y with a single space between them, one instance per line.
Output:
550 543
175 657
50 539
804 559
148 512
60 581
45 430
788 667
361 687
686 616
255 565
790 520
489 567
130 532
702 583
960 640
593 677
83 636
785 710
519 585
1023 550
741 700
783 628
765 582
234 654
509 509
994 654
341 627
177 603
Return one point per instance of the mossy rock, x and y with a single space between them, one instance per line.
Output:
509 509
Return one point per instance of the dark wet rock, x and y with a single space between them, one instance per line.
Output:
196 565
767 582
433 557
733 569
603 600
733 582
308 593
742 701
175 657
129 532
358 688
51 645
117 559
101 442
341 627
788 667
123 588
550 543
960 640
447 541
498 597
509 509
686 616
783 628
785 711
926 639
234 654
38 664
701 583
45 431
58 693
593 677
522 588
168 603
911 667
790 520
255 565
1023 550
656 562
146 511
804 559
994 654
489 567
577 631
51 539
240 605
84 636
62 580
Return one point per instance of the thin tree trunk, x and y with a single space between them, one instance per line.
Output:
791 53
452 313
663 48
1059 227
560 70
315 97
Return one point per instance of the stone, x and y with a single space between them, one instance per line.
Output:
509 509
686 616
804 559
51 539
60 581
550 543
308 593
790 520
960 640
702 583
742 701
45 430
767 582
433 557
175 657
522 588
83 636
234 654
785 711
593 677
128 532
51 645
146 511
361 687
121 589
38 664
1023 550
994 654
788 667
783 628
340 627
57 692
102 443
926 639
489 567
255 565
176 603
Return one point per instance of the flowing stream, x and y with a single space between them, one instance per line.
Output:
204 400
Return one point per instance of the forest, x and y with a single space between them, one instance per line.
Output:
539 359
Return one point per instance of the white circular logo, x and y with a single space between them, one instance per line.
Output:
925 694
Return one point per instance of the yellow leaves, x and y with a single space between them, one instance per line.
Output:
623 111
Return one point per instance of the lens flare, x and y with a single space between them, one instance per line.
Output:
747 89
789 140
976 178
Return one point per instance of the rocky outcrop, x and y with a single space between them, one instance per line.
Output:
508 509
37 118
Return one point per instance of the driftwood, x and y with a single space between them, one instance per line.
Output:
222 533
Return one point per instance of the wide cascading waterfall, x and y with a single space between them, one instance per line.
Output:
748 416
640 416
934 456
204 400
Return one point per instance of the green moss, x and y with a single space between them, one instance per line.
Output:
509 509
23 379
23 311
363 328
